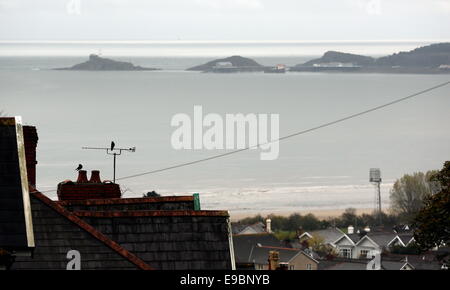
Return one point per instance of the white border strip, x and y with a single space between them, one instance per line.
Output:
230 241
24 181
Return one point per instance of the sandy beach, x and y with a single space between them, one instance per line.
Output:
321 214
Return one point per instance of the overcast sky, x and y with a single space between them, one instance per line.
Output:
224 19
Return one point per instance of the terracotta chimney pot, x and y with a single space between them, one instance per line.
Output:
82 176
95 176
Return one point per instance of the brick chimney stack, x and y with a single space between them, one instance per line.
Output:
274 260
83 188
30 138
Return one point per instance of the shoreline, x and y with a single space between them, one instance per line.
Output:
319 213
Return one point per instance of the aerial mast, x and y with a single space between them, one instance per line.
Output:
112 151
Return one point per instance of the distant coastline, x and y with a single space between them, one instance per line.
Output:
319 213
431 59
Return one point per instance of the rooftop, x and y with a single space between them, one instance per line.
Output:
111 232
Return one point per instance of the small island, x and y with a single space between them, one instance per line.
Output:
230 64
97 63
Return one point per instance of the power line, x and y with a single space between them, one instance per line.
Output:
290 135
285 137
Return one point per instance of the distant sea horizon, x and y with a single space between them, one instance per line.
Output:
205 48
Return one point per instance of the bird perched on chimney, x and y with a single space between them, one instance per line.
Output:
79 167
112 145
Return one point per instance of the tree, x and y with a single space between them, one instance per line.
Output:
432 223
317 244
411 249
409 193
349 217
152 194
310 222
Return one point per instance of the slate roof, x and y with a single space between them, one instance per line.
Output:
329 235
57 231
354 237
260 255
243 245
425 261
169 240
392 265
128 239
406 237
347 266
343 264
381 238
256 228
418 265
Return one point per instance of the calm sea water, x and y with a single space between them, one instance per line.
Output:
326 169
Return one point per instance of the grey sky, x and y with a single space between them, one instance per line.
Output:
224 19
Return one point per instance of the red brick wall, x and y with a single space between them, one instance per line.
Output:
77 191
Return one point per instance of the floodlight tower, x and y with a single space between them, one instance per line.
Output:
375 178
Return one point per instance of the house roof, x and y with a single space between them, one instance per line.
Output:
260 255
169 240
49 248
382 239
256 228
149 239
244 244
392 265
406 237
329 235
312 254
353 238
424 261
424 265
340 264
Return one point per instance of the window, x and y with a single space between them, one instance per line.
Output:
291 267
364 254
346 253
308 267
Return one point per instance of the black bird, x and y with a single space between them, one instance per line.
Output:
79 167
112 145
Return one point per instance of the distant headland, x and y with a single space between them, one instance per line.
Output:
431 59
434 58
97 63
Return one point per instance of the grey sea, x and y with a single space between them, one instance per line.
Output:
324 169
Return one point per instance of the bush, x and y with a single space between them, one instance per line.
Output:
309 222
411 249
